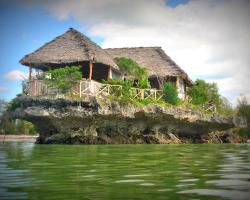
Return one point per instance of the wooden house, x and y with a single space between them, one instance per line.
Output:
160 66
73 48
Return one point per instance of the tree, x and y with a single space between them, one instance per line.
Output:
199 92
3 106
132 68
64 78
213 94
225 107
244 108
170 93
202 93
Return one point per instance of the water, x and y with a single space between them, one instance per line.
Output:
29 171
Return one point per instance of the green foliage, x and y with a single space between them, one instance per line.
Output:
226 108
127 65
170 93
9 126
213 94
132 68
143 83
126 86
64 78
199 92
12 105
150 101
244 132
202 93
3 106
244 109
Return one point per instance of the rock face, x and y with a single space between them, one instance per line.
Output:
99 121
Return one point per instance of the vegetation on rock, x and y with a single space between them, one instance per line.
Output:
132 68
202 93
64 78
124 91
10 126
244 111
170 93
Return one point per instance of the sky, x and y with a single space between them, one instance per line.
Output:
209 39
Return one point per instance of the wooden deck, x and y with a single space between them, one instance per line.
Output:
90 88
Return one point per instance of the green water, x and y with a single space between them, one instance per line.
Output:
30 171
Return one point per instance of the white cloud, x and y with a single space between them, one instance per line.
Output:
3 89
207 38
15 75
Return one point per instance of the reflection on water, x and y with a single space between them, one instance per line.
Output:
29 171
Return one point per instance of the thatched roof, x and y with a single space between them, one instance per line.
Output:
72 47
157 62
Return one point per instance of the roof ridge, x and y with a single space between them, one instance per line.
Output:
153 47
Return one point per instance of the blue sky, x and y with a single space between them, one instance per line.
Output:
23 30
198 35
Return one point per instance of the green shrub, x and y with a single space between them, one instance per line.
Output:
202 93
64 78
170 93
244 132
126 86
199 92
132 68
226 108
12 105
244 109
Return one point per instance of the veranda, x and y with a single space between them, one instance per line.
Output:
89 88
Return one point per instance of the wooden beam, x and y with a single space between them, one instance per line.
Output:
109 72
177 83
30 73
90 70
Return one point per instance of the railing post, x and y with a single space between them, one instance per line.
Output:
142 93
108 89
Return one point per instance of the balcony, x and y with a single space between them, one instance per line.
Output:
89 88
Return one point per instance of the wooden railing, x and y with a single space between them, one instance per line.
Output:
137 93
90 88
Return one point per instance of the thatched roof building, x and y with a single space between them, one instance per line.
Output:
157 62
74 48
70 48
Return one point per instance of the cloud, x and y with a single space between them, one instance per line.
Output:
3 89
209 39
15 75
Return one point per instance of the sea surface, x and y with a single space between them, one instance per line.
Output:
193 171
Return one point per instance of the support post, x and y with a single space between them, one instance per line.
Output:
142 93
90 70
30 73
177 84
109 72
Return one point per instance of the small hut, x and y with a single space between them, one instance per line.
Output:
160 66
73 48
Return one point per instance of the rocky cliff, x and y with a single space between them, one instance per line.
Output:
99 121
